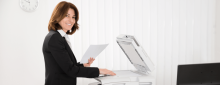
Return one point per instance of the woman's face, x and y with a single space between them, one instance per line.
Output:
68 21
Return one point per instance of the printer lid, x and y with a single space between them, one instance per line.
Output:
135 53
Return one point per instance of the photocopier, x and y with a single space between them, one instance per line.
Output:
138 57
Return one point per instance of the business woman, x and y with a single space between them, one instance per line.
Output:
60 62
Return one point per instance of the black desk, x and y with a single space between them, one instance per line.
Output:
199 74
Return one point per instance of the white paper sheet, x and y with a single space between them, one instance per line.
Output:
93 51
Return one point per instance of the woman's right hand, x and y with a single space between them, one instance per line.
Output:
106 71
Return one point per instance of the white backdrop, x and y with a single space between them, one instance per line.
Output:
171 31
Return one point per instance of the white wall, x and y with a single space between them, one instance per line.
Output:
217 32
171 31
21 40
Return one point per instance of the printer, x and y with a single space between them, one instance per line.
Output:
138 57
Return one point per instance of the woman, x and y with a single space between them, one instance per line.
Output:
60 62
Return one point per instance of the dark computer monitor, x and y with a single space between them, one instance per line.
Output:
199 74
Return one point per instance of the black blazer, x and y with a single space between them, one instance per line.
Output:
60 62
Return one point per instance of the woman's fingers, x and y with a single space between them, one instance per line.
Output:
91 60
111 73
106 71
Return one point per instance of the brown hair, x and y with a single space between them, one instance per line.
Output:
59 13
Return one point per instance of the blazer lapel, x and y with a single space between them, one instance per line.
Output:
72 56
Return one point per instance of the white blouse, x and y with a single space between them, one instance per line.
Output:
63 34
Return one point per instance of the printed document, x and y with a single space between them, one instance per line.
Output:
93 51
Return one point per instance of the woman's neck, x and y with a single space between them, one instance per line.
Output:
64 30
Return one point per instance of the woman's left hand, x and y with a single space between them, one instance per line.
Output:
90 61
